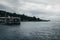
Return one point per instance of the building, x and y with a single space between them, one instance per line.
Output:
9 20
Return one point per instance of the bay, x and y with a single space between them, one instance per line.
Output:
31 31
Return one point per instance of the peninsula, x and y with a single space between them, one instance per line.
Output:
22 17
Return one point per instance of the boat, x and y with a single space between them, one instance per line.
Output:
10 20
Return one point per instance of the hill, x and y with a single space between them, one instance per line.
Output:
21 16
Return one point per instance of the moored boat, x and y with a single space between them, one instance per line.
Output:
10 20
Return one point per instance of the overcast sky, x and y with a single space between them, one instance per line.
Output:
45 9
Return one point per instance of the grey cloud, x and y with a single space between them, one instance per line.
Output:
12 1
43 1
5 8
12 5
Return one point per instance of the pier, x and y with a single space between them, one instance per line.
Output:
9 20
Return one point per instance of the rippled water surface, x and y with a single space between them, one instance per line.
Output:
31 31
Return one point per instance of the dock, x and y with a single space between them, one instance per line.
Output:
10 20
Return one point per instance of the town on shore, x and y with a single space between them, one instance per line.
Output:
23 18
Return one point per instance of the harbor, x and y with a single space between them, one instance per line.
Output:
10 20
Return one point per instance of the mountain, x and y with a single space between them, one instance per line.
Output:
21 16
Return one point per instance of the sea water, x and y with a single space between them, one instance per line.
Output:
31 31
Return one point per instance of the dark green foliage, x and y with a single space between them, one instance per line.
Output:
22 17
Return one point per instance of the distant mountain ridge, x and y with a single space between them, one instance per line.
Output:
22 17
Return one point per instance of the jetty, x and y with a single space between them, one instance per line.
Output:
10 20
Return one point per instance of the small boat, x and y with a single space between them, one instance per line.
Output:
10 20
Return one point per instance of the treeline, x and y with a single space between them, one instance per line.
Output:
22 17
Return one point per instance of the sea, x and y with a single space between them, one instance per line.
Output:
31 31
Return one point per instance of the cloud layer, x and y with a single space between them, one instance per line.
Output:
45 9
